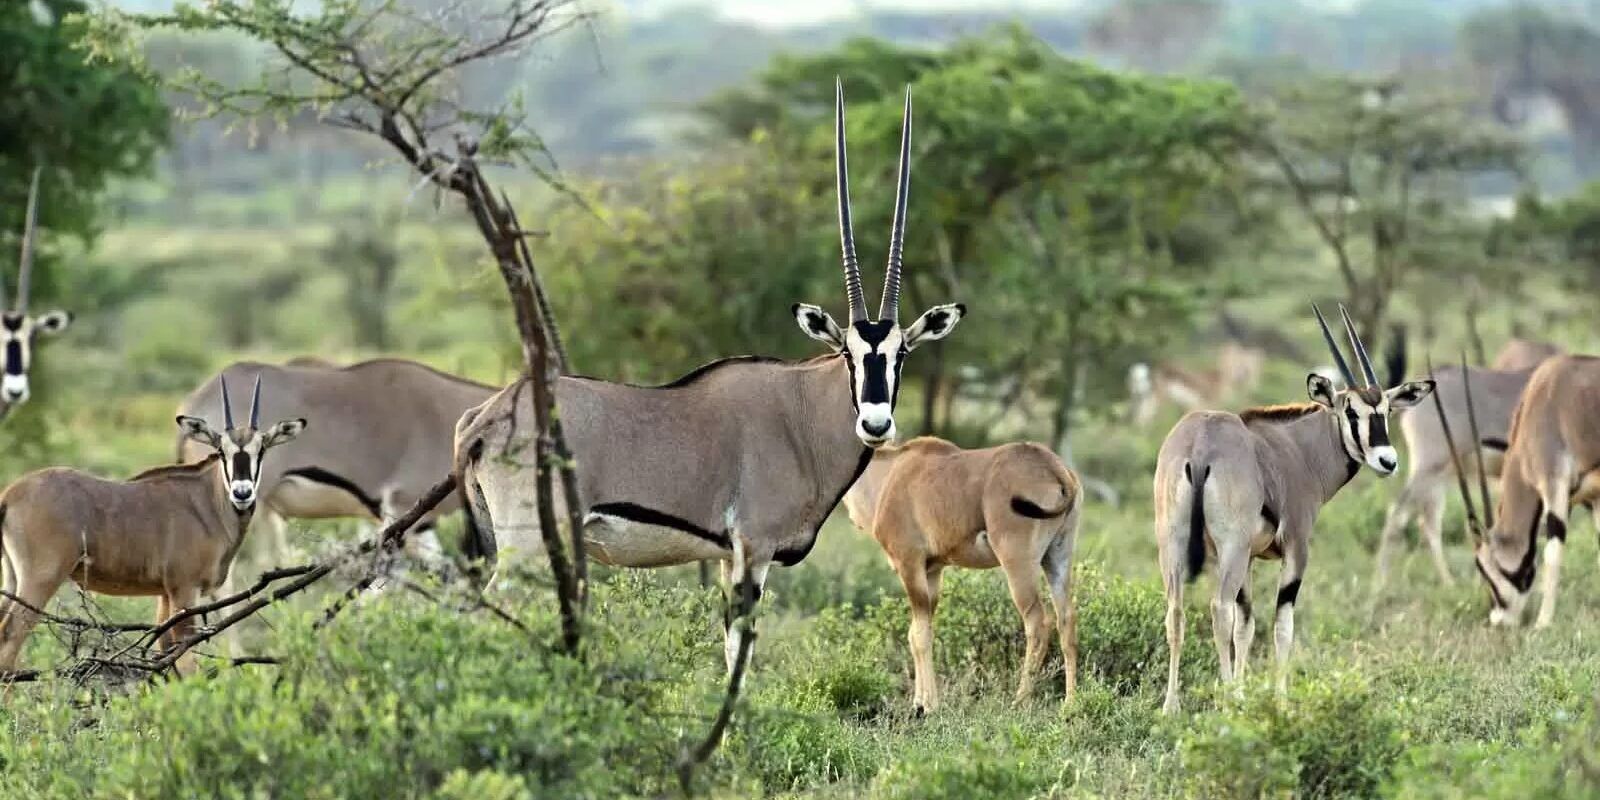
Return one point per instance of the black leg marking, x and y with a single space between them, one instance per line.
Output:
1288 592
1244 602
1555 527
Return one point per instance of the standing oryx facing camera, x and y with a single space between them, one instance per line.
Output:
17 326
1249 486
170 532
740 460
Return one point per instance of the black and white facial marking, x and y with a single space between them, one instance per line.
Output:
1508 588
875 352
16 334
241 450
1362 415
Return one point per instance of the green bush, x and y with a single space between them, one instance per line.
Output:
790 750
980 771
1556 761
1330 736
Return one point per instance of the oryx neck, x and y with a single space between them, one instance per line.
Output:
1320 450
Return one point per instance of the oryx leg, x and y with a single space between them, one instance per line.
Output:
1021 557
1294 566
921 581
1233 569
175 600
739 606
1058 575
1556 493
36 591
1244 627
1172 577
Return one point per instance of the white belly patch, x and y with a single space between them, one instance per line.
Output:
626 543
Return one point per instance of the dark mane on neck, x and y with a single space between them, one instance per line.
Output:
1278 413
699 373
176 470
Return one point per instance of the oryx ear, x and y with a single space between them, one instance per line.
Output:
52 321
818 325
197 429
1407 395
934 324
1320 389
282 432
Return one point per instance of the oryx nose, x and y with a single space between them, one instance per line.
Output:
242 492
13 394
877 428
1388 462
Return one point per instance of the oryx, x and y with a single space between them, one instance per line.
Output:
387 426
18 326
931 504
171 532
1248 486
1237 371
739 461
1494 392
1552 464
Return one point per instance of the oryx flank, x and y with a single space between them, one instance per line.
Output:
931 504
739 461
1494 393
1552 464
387 427
170 532
17 325
1249 486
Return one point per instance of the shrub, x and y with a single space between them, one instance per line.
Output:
788 750
1328 737
1557 761
979 772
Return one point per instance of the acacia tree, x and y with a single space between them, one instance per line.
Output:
391 69
1378 172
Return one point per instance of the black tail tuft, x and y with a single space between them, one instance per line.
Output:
478 544
1197 520
1495 443
1394 358
1029 509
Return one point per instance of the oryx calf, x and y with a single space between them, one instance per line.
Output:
170 532
1250 485
931 504
1552 464
740 461
387 426
18 327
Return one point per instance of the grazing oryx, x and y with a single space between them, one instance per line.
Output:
17 326
170 532
1552 464
1494 393
931 504
1237 371
387 427
1249 486
739 461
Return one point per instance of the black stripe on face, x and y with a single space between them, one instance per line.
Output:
875 389
14 365
1378 431
1354 420
242 470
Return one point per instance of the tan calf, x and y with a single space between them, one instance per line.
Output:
931 504
170 532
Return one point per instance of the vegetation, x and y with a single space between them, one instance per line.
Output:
1089 218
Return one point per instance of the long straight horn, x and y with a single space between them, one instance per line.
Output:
1455 459
30 233
227 404
890 307
1477 444
1333 347
847 237
255 405
1361 350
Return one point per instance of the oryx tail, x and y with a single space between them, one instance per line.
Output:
1195 549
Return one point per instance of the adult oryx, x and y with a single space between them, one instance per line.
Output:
1552 464
1250 485
739 461
387 426
1495 392
17 325
931 504
171 532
